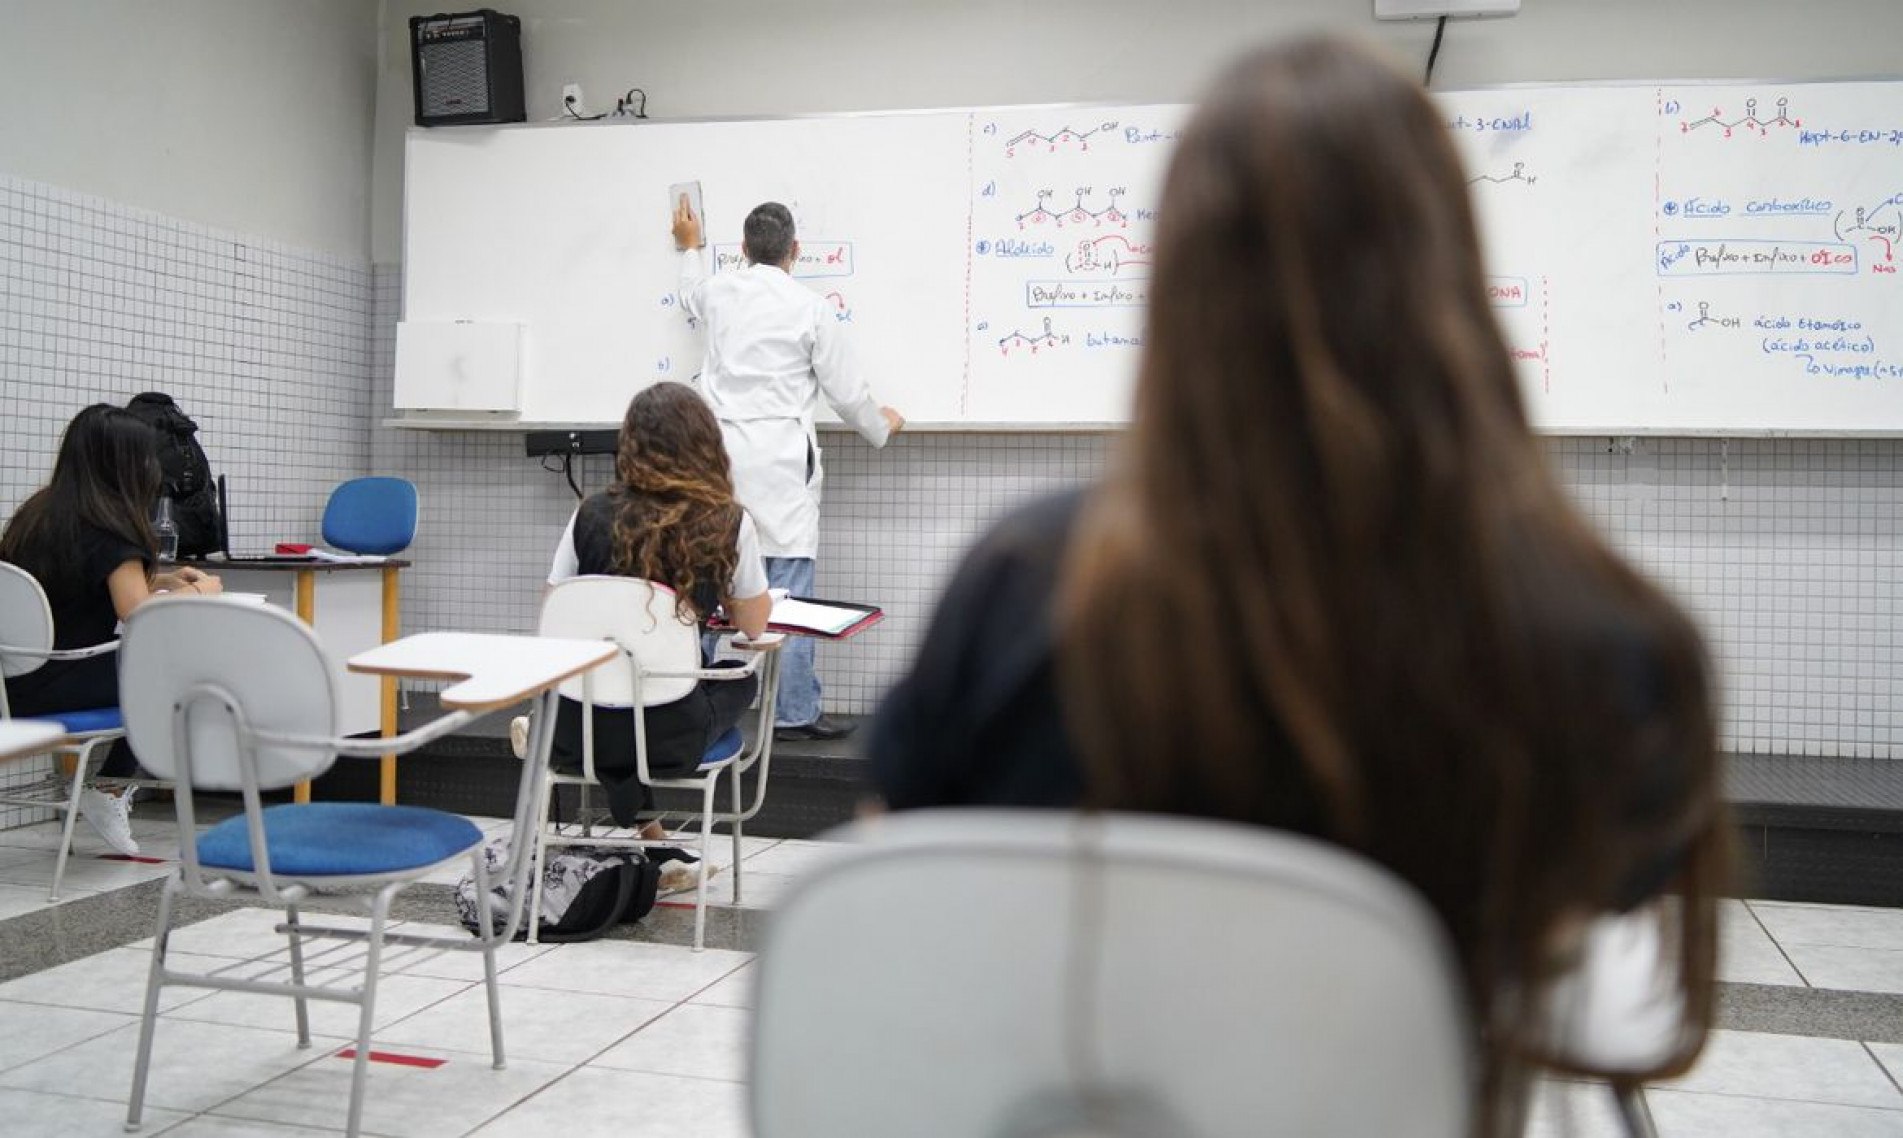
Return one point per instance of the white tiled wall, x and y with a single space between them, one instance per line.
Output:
1785 549
266 346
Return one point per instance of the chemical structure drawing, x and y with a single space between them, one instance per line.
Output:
1064 136
1749 122
1519 174
1077 213
1111 253
1706 320
1880 224
1020 340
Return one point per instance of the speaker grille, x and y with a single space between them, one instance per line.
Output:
467 68
454 78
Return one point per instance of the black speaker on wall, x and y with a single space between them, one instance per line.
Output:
467 68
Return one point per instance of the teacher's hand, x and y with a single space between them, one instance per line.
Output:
686 226
894 422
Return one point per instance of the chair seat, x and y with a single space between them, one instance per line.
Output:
341 839
723 749
87 722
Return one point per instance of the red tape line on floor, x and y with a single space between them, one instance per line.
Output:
394 1057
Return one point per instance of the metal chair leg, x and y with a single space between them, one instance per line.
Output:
736 836
706 849
538 853
65 850
367 1011
297 975
1634 1115
485 924
149 1019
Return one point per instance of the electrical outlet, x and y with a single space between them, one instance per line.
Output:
572 100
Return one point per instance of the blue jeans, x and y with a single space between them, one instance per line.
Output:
799 683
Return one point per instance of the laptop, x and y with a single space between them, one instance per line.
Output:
224 554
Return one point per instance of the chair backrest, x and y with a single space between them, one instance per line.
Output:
371 515
1000 973
26 621
637 614
268 661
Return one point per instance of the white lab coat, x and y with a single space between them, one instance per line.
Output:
773 347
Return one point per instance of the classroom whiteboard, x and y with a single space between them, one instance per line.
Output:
1679 258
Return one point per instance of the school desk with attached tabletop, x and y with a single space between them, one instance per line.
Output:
21 737
494 671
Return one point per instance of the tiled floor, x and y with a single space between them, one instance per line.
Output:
631 1039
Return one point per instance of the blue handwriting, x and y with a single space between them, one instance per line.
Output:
1893 137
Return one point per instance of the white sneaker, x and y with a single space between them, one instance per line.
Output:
111 816
519 736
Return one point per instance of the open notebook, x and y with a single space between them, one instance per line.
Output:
823 617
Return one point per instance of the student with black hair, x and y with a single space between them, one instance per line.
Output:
87 538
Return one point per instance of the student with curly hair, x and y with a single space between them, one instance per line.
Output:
670 517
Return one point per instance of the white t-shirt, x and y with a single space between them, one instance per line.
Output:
749 572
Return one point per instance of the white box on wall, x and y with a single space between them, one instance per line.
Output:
459 365
1433 9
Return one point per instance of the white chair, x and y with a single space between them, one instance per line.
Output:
26 643
224 695
659 663
1011 974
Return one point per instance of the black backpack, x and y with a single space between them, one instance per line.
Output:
187 474
584 896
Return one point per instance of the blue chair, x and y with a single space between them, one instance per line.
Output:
226 696
371 515
26 643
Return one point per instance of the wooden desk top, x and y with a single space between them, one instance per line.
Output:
496 670
217 565
28 736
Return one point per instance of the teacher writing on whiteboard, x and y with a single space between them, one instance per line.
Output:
773 348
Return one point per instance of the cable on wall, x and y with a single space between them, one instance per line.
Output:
1433 53
566 469
568 105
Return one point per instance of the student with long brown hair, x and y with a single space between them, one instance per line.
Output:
86 536
670 517
1329 583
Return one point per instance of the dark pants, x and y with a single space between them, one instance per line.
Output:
75 685
678 735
